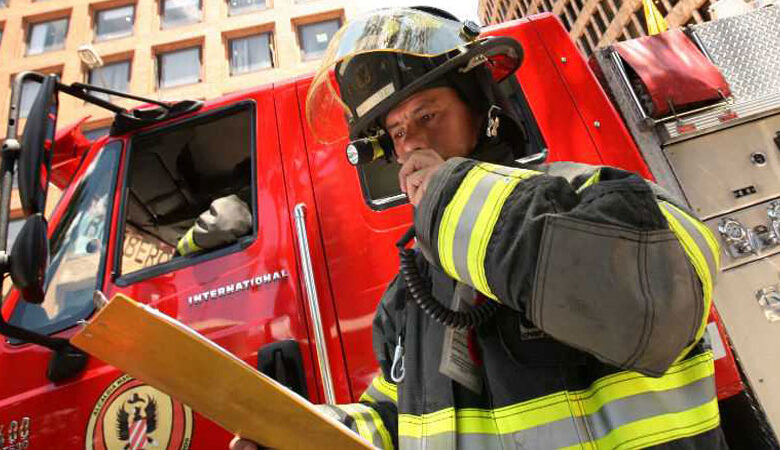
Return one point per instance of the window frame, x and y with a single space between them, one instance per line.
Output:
51 328
129 62
378 204
57 70
124 280
28 36
168 26
230 12
158 54
97 37
305 23
104 131
271 52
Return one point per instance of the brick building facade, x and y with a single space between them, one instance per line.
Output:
596 23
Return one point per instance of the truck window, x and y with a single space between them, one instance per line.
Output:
174 174
379 181
77 245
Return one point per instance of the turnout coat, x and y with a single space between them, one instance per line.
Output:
605 285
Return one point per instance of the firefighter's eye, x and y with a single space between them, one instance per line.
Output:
427 117
399 134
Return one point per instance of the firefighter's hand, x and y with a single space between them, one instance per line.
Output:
242 444
416 171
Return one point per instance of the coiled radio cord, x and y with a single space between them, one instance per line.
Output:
420 293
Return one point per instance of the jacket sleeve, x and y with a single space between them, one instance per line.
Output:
598 261
375 416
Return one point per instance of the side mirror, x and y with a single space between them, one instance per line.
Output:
37 147
29 258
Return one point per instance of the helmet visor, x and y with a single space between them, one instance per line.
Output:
395 30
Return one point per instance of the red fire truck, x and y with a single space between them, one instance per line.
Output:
295 298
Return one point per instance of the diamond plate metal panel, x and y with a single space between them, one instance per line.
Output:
746 48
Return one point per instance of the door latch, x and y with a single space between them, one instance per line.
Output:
283 362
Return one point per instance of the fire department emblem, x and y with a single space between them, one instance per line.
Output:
131 415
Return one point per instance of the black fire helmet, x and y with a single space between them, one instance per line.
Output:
378 60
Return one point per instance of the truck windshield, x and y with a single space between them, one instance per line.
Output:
77 248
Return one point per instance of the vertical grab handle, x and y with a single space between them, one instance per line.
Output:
314 304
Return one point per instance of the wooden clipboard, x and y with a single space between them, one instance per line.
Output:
168 355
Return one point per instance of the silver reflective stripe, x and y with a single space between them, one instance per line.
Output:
365 423
695 234
377 395
333 411
631 409
575 430
460 245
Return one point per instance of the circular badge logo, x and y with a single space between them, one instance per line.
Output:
131 415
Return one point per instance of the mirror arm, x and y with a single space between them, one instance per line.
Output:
80 90
88 87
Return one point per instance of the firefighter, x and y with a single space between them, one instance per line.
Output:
553 306
227 219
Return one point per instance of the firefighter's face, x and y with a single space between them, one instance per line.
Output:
434 119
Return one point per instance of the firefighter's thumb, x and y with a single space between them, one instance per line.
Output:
242 444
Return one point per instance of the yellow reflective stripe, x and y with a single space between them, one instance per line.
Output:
605 391
484 191
385 387
593 179
187 243
658 429
508 171
554 407
699 263
387 441
355 411
689 245
449 220
365 397
483 230
709 237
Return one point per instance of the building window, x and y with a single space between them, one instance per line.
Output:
95 133
114 23
180 12
178 67
3 3
245 6
114 76
251 53
14 227
46 36
29 92
314 37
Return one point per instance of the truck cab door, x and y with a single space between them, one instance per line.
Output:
242 294
116 229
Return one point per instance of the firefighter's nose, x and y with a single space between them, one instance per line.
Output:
411 143
403 152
